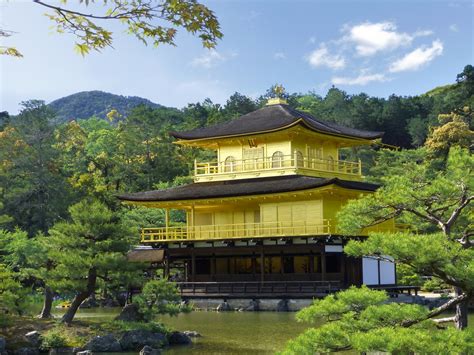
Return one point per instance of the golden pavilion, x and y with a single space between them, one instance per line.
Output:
261 220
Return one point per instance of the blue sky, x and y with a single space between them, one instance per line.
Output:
378 47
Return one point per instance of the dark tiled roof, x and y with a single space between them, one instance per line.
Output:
273 117
220 189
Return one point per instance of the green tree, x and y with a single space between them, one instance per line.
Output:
90 246
238 105
363 320
160 297
28 255
11 292
454 131
151 21
35 194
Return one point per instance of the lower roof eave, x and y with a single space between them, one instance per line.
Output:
245 188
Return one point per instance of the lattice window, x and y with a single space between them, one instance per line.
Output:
277 159
253 158
229 164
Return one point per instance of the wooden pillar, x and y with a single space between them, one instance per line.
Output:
262 266
323 263
167 267
213 267
192 226
343 270
193 267
282 267
167 220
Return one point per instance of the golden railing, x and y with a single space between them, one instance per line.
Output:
273 163
235 231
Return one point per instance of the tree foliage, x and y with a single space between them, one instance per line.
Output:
363 320
455 130
11 292
155 22
33 191
88 248
160 297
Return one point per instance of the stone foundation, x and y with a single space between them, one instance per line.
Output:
248 305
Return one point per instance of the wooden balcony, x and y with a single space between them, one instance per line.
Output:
235 231
271 166
258 289
254 231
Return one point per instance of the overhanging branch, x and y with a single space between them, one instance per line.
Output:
437 311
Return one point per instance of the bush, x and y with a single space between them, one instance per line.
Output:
54 338
406 276
434 284
160 297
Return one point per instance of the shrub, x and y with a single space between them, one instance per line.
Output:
54 338
434 284
160 297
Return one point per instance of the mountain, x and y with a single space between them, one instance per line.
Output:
95 103
441 90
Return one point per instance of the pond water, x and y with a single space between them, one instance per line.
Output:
222 333
227 332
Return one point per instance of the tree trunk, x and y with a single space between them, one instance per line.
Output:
80 297
460 319
47 304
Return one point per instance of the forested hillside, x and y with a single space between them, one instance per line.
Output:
95 103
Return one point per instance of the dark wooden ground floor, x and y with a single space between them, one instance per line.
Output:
317 264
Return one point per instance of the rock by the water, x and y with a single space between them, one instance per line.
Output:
3 344
27 351
282 306
85 352
109 302
178 338
253 306
34 338
224 307
130 313
137 339
192 334
57 351
148 350
106 343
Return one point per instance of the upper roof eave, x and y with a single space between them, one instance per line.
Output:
271 119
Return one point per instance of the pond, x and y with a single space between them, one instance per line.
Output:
225 332
228 332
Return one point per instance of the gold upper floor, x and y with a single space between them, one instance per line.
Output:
295 151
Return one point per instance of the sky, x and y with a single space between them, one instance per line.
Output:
378 47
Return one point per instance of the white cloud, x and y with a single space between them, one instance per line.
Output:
312 40
454 28
211 58
322 58
371 38
422 33
279 55
417 58
362 79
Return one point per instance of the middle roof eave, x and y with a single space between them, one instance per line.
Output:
234 188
